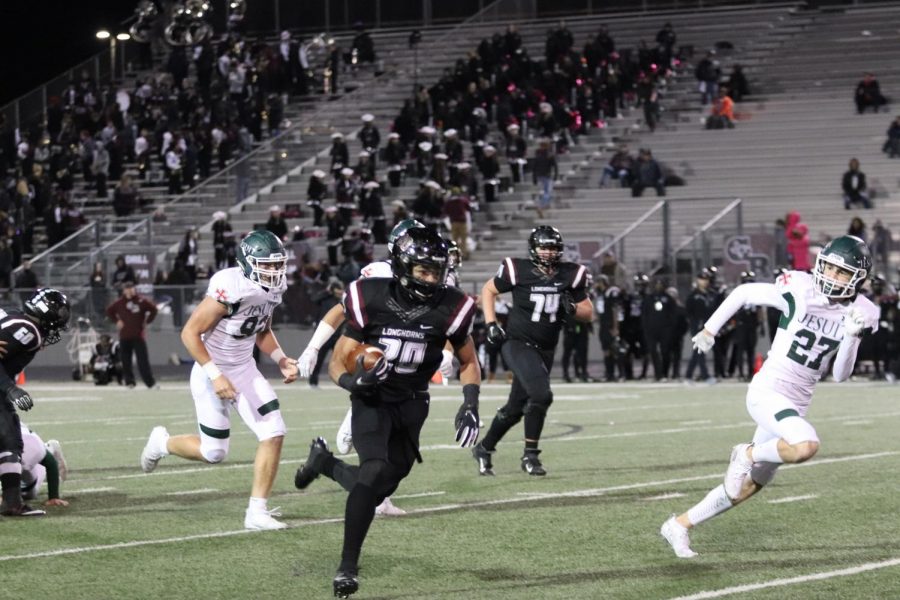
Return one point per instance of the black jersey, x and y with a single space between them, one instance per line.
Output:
412 335
23 340
537 298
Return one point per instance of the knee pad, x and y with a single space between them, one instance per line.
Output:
213 450
373 473
763 473
539 405
508 417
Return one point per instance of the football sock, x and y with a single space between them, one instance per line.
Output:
496 432
534 424
345 475
716 502
12 492
767 452
531 445
258 505
358 516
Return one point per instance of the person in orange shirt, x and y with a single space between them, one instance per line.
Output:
722 115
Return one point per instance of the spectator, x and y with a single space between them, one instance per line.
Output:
131 313
276 223
174 165
489 166
315 194
369 136
100 167
854 186
615 272
868 93
544 171
619 167
707 74
857 228
220 228
647 173
99 291
395 154
516 149
123 274
188 252
340 155
666 39
700 305
372 210
892 143
737 84
457 209
6 264
125 197
345 196
26 281
363 46
721 115
334 234
880 244
797 246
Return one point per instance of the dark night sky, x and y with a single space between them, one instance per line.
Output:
42 38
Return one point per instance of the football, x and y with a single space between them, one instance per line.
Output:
370 353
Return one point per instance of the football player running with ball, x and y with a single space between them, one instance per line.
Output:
823 316
544 289
234 316
410 317
22 336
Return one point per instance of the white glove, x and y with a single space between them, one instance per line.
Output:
703 341
446 367
854 322
307 361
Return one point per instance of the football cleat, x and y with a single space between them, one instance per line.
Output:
345 435
738 470
677 536
483 456
154 450
312 468
263 520
23 510
387 509
56 451
531 464
346 583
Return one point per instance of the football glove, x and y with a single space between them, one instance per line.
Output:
362 381
569 304
467 422
307 361
703 341
495 334
446 367
20 398
854 322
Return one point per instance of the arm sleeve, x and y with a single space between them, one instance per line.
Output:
845 358
355 311
460 326
760 294
505 279
52 467
579 284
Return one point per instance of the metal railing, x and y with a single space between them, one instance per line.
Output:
700 243
619 243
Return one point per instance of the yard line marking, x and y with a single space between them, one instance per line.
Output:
739 589
860 422
432 509
703 422
189 492
70 399
793 499
667 496
89 491
419 495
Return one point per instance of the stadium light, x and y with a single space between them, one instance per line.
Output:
103 35
123 37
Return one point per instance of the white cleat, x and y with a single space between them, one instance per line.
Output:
55 450
154 450
738 470
677 536
344 440
263 520
387 509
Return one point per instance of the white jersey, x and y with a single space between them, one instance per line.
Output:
33 449
810 331
382 268
250 309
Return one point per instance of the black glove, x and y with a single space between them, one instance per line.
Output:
20 398
362 381
568 304
495 334
467 422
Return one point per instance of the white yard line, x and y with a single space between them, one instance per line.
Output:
667 496
740 589
419 495
518 499
70 492
793 499
191 492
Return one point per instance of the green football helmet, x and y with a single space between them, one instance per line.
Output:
399 229
850 255
262 258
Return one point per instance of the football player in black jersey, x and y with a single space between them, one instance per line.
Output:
410 317
544 289
22 335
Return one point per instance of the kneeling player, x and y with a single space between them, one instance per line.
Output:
411 317
823 315
42 462
234 316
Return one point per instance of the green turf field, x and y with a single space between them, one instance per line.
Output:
620 460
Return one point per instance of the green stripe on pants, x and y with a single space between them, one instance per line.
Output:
784 414
268 407
219 434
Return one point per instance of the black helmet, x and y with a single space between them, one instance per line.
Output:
641 280
419 247
454 254
545 237
748 276
50 309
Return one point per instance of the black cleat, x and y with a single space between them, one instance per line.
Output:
531 464
23 510
346 583
312 468
483 456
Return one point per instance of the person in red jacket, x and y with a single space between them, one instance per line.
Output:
131 313
797 234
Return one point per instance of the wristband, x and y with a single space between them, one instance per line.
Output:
212 371
277 355
346 381
471 391
322 334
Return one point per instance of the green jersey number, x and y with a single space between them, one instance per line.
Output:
801 351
